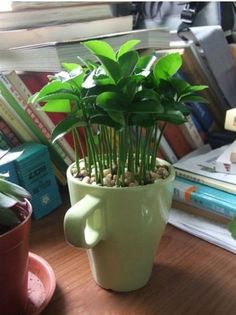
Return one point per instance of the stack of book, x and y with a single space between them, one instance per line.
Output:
36 22
201 189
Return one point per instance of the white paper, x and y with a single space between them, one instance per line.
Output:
205 165
212 232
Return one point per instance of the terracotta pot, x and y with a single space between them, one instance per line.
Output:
14 249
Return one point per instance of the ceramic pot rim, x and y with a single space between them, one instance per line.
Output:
170 178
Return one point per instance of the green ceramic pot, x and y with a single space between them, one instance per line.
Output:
120 227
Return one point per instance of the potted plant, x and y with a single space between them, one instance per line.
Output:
120 192
15 215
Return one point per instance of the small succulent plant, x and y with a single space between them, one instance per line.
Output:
10 196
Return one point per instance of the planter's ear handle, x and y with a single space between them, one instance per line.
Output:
84 222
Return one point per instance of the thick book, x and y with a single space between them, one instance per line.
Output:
65 32
53 54
199 212
191 133
207 198
204 116
167 150
11 20
177 140
201 169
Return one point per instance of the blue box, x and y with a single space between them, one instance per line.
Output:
35 174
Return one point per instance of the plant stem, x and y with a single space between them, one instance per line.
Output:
76 150
157 143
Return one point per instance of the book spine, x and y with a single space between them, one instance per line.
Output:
9 134
22 130
34 82
227 187
15 122
199 212
192 195
194 73
6 92
204 116
167 151
34 115
4 145
22 96
176 140
191 134
199 128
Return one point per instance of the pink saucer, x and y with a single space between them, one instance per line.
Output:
41 284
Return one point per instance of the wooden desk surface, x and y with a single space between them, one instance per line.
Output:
189 277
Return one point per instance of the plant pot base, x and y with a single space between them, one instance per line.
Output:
41 284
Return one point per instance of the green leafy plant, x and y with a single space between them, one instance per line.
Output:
119 100
10 196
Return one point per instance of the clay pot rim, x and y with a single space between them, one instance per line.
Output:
17 227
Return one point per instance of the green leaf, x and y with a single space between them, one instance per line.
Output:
147 94
8 217
7 201
167 66
70 66
101 48
59 96
77 79
105 120
9 156
196 88
172 116
181 86
109 101
66 126
146 62
127 63
49 88
145 120
57 106
193 98
118 117
111 67
147 106
12 191
232 228
127 47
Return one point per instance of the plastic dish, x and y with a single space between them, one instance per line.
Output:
41 284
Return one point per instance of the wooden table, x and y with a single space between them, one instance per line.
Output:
189 277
